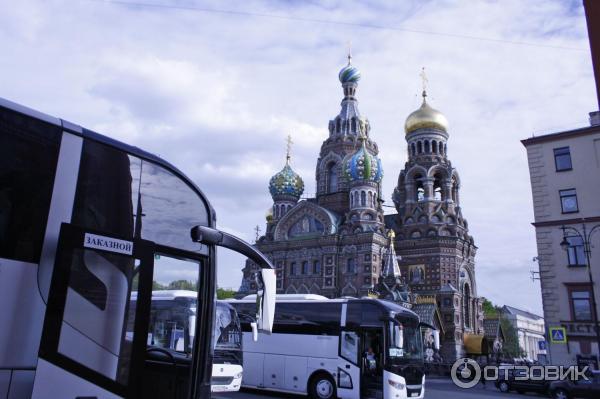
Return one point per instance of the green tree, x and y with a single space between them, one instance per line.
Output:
489 310
183 285
511 347
223 293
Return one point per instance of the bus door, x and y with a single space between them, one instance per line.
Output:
371 360
348 373
93 343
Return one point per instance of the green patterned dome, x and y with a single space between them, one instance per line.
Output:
363 166
349 73
286 183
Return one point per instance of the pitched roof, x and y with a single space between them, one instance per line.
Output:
492 329
428 313
448 288
519 312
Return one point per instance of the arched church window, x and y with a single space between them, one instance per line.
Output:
434 147
353 124
419 147
438 193
414 149
415 234
337 125
374 200
441 148
420 193
467 306
350 265
370 199
332 178
445 149
422 219
363 198
435 219
427 146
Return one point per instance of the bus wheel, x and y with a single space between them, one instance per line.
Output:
322 386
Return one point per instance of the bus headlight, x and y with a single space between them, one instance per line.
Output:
239 375
397 385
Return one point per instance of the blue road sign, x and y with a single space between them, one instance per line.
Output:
542 345
558 335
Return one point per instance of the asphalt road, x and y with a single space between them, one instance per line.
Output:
434 389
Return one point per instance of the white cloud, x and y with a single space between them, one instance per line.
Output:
216 94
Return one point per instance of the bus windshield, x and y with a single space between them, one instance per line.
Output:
170 324
227 334
404 343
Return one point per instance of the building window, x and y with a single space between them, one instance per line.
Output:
562 159
332 178
305 267
350 266
581 304
293 269
316 267
575 251
568 201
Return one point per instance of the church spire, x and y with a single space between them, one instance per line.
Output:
390 261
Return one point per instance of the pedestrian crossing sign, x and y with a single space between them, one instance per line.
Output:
558 335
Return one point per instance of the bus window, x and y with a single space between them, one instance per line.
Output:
103 200
169 209
28 157
172 323
121 194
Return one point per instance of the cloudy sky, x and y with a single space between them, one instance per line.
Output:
215 87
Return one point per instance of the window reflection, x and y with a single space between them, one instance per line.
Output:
169 209
121 194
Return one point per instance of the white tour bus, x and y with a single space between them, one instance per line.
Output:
172 317
85 221
329 348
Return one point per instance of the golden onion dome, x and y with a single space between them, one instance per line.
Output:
426 118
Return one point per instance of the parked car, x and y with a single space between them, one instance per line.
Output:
582 388
514 380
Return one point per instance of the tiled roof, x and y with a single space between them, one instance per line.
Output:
491 328
427 314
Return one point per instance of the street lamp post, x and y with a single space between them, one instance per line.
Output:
585 237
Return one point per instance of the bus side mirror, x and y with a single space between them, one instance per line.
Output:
265 298
265 301
254 331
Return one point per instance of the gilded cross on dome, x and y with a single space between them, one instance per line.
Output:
289 143
424 81
349 51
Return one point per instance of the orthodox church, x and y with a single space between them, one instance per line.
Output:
340 243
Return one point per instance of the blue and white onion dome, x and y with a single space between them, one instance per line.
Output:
349 73
286 183
362 166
